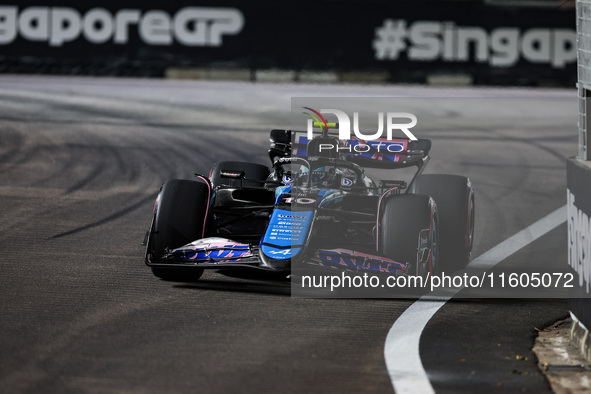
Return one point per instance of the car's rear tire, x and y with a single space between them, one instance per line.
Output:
403 218
454 197
179 218
255 174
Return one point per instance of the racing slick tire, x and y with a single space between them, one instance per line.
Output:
179 219
454 197
404 219
256 173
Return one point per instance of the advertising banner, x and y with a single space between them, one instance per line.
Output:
407 39
579 237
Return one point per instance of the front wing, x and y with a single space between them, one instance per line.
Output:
221 253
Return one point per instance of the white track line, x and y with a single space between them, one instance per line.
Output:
401 350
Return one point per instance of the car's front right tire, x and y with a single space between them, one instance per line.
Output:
454 197
409 227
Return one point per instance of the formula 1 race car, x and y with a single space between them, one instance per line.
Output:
315 206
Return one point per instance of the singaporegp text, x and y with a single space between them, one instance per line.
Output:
191 26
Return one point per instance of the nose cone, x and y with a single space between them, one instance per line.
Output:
278 257
285 237
276 264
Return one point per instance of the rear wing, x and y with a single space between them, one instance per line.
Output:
379 153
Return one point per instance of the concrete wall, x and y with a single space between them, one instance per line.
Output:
579 190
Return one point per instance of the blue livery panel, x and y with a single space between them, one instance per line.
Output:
286 233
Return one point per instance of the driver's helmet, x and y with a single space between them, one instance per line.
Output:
320 177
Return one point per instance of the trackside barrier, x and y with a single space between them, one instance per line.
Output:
579 192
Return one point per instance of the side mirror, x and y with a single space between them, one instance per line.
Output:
281 136
280 144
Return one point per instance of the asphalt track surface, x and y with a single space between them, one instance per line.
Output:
80 162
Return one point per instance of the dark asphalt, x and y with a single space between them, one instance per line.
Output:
80 163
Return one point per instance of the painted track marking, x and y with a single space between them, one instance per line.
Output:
401 350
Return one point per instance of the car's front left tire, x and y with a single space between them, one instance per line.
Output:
180 217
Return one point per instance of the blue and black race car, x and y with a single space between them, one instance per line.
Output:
315 206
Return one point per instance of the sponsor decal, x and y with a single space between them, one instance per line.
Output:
284 252
231 174
291 216
579 241
286 233
212 251
287 179
346 182
357 260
